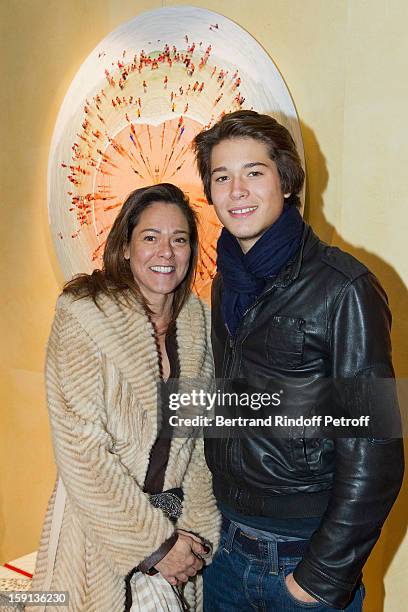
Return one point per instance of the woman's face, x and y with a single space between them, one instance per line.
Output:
159 250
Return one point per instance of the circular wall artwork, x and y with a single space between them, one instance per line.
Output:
131 112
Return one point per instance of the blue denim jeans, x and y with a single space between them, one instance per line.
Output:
237 581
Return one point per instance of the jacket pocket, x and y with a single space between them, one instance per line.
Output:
312 455
284 342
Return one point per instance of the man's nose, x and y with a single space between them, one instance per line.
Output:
238 189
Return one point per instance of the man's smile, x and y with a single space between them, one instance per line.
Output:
242 212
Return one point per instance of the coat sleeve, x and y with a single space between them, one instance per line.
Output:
112 510
368 471
200 512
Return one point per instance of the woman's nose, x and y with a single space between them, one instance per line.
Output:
166 249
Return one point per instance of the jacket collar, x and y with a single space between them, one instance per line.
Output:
291 271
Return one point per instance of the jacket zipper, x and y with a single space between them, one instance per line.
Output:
233 342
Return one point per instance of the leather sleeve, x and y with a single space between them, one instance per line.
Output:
368 471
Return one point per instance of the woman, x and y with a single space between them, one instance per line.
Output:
117 333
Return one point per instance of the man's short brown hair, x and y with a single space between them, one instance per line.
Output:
250 124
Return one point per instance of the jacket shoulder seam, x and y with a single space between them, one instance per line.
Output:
342 262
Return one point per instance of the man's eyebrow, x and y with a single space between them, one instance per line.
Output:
248 165
252 164
219 169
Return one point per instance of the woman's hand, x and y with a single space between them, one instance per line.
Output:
197 539
183 560
297 592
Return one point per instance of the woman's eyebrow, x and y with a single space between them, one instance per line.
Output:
158 231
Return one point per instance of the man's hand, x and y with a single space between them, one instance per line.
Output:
297 592
181 561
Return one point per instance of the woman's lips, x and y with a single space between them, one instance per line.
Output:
162 269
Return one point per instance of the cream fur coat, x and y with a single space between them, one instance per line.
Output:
101 376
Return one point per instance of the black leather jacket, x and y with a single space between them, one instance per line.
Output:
325 315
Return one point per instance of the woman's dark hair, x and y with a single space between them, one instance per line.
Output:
116 278
250 124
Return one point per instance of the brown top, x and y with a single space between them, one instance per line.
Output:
159 454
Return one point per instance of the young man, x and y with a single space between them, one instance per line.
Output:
300 514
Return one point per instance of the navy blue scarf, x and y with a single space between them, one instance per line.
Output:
245 275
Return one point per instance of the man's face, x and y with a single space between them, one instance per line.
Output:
245 188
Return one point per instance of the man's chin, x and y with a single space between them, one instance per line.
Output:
247 240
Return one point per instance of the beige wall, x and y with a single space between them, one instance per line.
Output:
344 62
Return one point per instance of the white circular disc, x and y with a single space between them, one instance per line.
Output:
130 114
